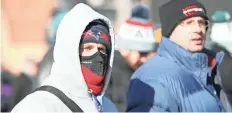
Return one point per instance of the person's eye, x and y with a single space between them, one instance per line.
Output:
102 50
203 22
88 48
189 22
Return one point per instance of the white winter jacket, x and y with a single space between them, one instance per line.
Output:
66 74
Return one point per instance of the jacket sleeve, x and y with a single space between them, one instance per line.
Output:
149 96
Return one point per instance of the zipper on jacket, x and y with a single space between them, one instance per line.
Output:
90 93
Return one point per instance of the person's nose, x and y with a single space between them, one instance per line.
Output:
197 27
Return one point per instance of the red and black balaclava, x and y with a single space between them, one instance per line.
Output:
94 67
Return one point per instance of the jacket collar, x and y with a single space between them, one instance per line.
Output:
194 62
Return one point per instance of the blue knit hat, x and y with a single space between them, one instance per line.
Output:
97 31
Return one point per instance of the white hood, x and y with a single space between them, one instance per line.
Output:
66 72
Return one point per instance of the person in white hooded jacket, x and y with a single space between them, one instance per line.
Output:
83 58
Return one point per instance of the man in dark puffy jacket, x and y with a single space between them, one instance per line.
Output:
180 77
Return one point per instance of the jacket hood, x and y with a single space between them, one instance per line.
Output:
194 62
66 72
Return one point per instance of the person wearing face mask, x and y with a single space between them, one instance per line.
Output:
83 58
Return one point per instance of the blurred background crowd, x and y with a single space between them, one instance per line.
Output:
28 37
